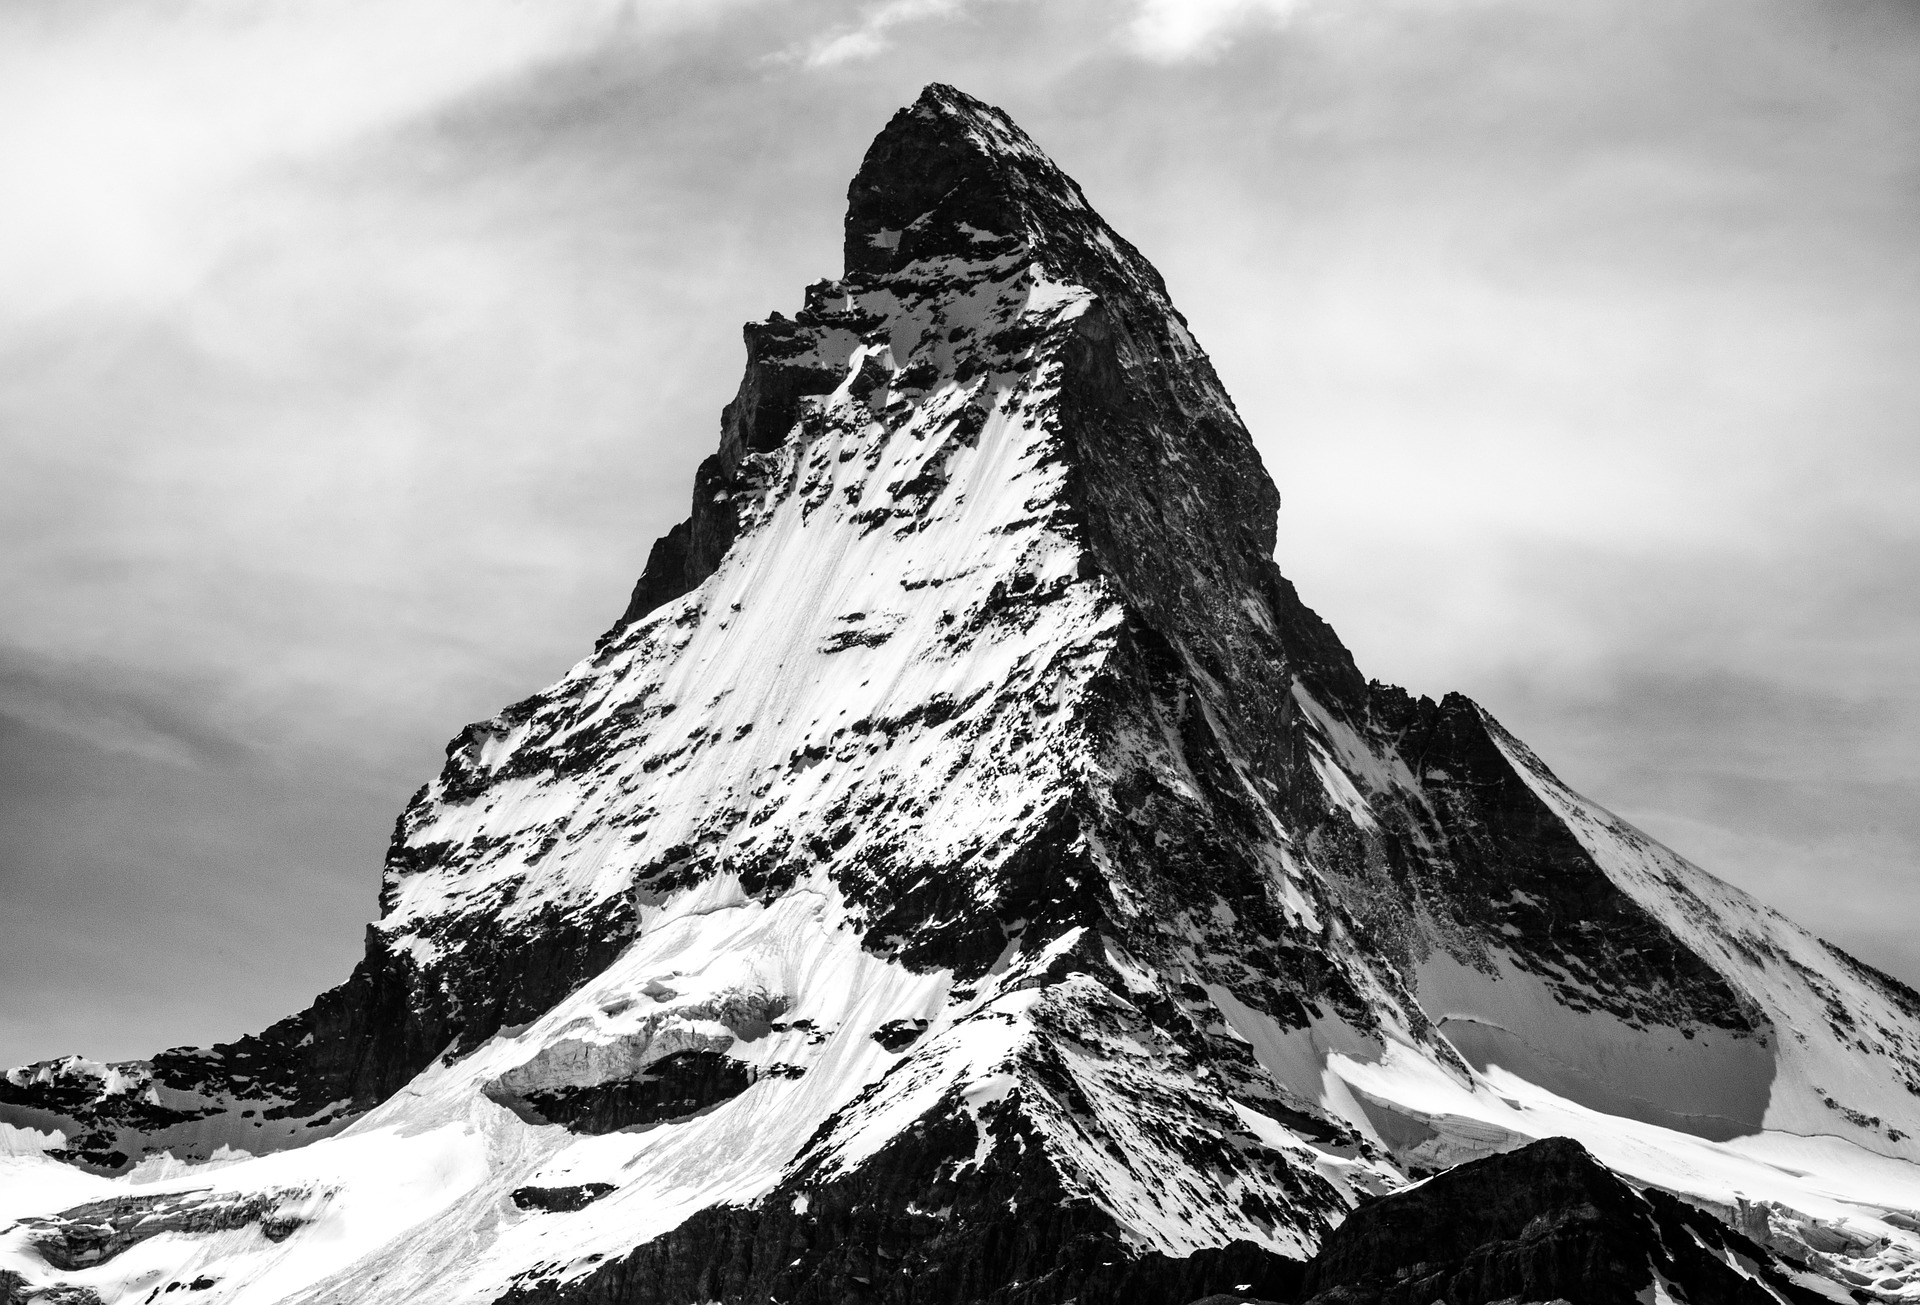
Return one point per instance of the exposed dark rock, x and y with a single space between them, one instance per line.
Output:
672 1087
1502 838
96 1232
560 1199
759 417
64 1294
909 1227
898 1035
1544 1222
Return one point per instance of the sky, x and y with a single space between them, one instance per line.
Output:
352 354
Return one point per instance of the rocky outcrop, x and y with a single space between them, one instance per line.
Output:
673 1087
911 1227
1545 1222
780 372
311 1074
94 1233
555 1200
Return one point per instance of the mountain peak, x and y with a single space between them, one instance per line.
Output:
953 176
951 162
969 873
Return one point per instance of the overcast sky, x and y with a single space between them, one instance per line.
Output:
353 353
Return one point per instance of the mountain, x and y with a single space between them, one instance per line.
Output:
968 872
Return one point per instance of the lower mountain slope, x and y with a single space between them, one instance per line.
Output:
967 871
1544 1222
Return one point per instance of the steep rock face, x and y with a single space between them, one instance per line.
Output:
967 871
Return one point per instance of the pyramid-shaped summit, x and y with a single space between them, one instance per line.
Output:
967 872
950 173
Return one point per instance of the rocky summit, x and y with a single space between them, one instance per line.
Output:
967 872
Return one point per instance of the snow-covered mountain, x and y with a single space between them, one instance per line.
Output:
968 871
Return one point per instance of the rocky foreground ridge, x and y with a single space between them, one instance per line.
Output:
968 872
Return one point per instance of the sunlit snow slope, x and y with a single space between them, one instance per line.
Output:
968 863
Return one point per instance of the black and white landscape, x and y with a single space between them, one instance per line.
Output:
968 871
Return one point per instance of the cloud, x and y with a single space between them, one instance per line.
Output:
122 126
1161 31
1172 30
871 35
82 703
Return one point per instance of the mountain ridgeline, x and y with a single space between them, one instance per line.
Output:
968 872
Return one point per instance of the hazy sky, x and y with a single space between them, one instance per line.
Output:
353 353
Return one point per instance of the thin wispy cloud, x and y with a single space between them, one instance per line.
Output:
873 33
1173 30
1160 31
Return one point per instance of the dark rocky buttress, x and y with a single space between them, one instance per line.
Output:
1546 1222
